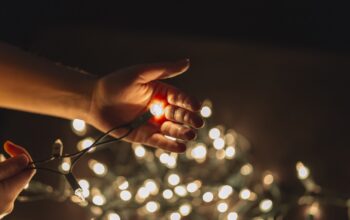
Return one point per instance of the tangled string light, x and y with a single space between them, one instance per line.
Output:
214 179
156 109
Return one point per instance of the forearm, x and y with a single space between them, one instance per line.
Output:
32 84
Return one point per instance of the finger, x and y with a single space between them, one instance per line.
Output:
14 150
180 115
158 140
13 166
149 72
177 131
179 98
15 184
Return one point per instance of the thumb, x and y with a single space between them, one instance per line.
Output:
14 150
150 72
13 166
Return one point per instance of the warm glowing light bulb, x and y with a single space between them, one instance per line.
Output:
168 194
151 186
152 206
123 185
143 192
208 197
65 165
79 125
214 133
219 143
302 170
265 205
79 192
180 190
140 151
314 210
185 209
199 153
173 179
244 194
194 186
268 179
206 112
99 200
98 168
232 216
85 143
113 216
222 207
175 216
246 169
225 191
84 184
125 195
157 108
230 152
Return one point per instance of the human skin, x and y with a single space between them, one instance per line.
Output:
36 85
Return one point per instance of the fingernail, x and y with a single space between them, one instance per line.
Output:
14 149
190 135
22 159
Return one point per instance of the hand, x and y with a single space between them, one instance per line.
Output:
13 176
122 96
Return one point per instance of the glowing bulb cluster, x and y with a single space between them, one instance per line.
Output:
157 108
302 171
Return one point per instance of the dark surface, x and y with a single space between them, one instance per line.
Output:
276 73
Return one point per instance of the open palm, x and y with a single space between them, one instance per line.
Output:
122 96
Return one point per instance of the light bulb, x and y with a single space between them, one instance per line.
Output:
113 216
99 200
222 207
175 216
79 126
173 179
168 194
180 190
185 209
206 111
208 197
302 170
125 195
152 206
265 205
225 191
232 216
245 194
157 108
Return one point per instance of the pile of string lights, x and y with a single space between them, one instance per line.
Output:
214 179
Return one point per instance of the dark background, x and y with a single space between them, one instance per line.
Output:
277 72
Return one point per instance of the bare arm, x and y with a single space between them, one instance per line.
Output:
33 84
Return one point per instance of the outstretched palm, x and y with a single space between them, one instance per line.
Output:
122 96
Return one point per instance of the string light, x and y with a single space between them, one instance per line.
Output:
225 191
157 108
232 216
125 195
265 205
302 171
180 190
185 209
167 194
175 216
206 111
222 207
219 143
65 165
86 143
199 153
230 152
193 186
208 197
268 179
99 200
140 151
244 194
113 216
152 206
173 179
151 186
246 169
214 133
98 168
79 126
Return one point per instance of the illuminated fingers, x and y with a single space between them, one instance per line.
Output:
179 98
181 115
160 141
177 131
